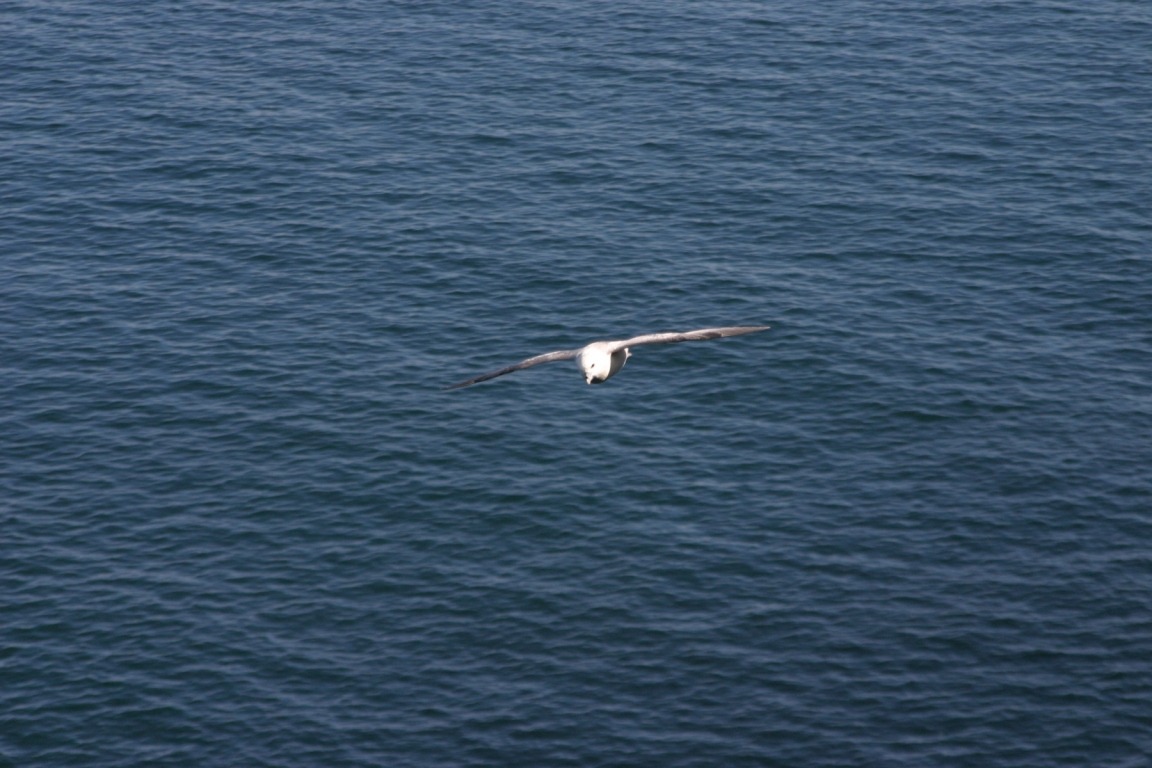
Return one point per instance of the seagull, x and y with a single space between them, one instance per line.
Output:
601 360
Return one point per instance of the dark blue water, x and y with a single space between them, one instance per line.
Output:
244 245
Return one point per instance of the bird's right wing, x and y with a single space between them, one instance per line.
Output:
547 357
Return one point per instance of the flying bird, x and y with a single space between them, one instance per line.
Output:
601 360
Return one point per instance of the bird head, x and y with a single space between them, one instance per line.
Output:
596 363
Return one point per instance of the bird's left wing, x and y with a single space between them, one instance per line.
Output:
676 337
547 357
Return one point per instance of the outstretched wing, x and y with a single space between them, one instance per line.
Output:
701 335
548 357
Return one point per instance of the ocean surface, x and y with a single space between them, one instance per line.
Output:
244 246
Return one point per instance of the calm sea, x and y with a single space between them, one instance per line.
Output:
244 245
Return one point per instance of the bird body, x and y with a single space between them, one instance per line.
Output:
602 360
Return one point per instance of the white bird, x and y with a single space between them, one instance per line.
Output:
601 360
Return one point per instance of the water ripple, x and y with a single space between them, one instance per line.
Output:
244 248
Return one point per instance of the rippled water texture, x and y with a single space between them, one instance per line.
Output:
243 246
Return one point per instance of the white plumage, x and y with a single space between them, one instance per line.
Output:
601 360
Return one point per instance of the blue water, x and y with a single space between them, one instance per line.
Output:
243 246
